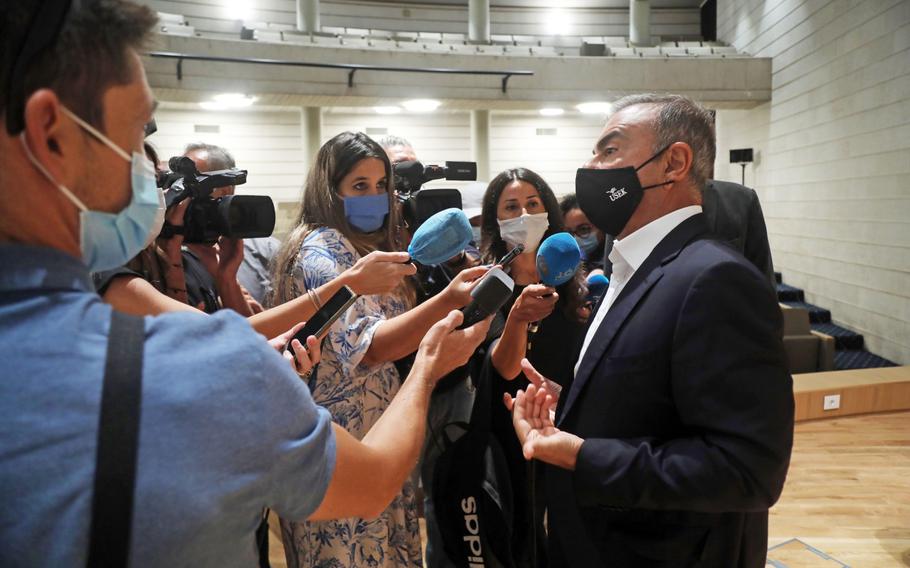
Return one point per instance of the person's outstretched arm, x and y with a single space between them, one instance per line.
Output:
369 473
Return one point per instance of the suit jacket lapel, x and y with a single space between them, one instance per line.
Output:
644 278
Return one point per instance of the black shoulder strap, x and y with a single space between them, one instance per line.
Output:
118 441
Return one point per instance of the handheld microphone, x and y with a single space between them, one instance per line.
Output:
490 294
558 257
597 287
441 237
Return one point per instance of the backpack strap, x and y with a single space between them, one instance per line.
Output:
481 412
118 443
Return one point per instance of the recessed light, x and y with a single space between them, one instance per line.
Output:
421 105
594 108
212 105
387 109
551 111
234 100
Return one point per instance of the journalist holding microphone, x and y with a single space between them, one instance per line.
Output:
348 210
121 442
520 208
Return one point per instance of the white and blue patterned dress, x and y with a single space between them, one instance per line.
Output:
356 395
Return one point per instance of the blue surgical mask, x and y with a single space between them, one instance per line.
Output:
366 213
587 244
109 240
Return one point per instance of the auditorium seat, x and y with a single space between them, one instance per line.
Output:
807 350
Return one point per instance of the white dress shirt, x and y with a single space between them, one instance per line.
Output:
627 256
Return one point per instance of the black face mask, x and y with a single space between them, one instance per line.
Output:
608 198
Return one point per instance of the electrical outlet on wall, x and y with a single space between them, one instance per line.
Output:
832 402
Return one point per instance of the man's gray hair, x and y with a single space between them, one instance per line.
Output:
680 119
219 158
390 141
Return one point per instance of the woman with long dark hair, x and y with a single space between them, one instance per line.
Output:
520 208
348 210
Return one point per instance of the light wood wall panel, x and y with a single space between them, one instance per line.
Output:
832 153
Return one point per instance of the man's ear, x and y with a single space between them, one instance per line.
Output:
679 162
51 136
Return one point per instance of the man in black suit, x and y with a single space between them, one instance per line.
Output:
674 438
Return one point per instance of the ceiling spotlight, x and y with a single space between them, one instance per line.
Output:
226 101
387 109
421 105
234 100
551 111
557 22
594 108
212 105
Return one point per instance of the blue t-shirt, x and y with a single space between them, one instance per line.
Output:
226 428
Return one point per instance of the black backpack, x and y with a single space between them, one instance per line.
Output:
472 494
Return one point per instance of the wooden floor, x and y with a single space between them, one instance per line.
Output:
847 496
848 492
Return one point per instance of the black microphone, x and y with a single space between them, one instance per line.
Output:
490 294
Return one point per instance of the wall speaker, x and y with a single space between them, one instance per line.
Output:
741 156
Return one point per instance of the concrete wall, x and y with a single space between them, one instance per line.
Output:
269 143
833 153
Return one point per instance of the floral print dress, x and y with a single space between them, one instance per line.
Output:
356 395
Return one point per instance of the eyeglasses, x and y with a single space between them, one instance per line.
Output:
582 230
42 32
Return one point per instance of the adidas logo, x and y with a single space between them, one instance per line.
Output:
472 538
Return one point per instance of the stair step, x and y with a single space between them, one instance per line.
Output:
859 359
844 339
787 293
816 314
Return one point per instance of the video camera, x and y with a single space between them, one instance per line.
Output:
207 218
418 204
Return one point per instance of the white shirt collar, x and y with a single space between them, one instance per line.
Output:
636 247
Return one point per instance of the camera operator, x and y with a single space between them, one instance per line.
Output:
401 154
398 149
171 464
211 269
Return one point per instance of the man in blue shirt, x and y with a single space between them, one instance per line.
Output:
226 427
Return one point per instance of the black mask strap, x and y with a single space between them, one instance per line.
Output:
649 160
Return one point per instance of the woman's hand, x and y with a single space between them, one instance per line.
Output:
534 303
378 272
458 292
303 359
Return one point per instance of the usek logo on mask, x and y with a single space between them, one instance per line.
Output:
615 194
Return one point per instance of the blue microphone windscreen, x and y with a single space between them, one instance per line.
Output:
441 237
597 285
558 257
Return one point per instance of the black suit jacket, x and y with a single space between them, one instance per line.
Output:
686 407
734 216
